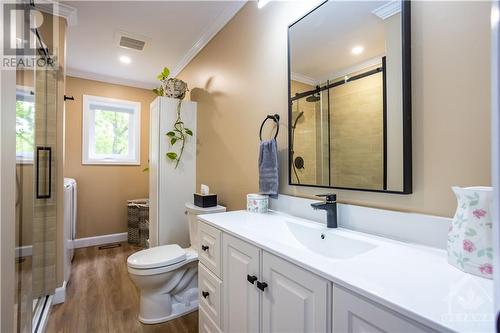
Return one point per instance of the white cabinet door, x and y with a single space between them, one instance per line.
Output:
294 300
354 314
241 296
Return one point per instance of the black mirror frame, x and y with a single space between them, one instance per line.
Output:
406 101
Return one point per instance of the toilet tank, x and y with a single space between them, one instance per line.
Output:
192 213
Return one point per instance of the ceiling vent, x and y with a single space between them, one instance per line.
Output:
131 43
130 40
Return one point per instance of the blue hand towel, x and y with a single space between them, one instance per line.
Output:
268 168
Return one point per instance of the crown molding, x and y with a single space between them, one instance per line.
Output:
388 10
58 9
304 79
352 69
109 79
209 33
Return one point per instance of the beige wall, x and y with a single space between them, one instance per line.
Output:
103 191
241 76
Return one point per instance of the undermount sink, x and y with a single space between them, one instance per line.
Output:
327 242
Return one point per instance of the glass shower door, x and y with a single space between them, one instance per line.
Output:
36 108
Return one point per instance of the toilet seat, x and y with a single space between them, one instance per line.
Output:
160 259
156 257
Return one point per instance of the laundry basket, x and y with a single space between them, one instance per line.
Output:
138 225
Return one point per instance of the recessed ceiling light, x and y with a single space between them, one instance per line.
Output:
262 3
125 59
357 50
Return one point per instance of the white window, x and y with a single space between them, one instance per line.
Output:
25 124
111 131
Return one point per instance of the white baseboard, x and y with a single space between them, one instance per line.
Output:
24 251
99 240
60 294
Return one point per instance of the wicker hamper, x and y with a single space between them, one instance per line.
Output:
138 225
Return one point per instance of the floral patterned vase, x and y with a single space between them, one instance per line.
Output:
470 234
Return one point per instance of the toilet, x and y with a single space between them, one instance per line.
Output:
167 275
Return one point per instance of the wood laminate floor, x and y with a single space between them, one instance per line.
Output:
101 298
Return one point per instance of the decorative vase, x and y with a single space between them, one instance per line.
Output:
174 88
470 234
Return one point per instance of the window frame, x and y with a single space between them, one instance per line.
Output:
88 129
27 93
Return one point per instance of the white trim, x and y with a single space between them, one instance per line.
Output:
208 34
73 72
61 10
24 251
495 147
388 10
353 69
60 294
99 240
88 127
414 228
304 79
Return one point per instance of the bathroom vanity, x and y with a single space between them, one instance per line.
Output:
277 273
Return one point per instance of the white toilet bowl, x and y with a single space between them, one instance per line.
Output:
167 277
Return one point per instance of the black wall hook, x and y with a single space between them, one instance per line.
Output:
276 119
71 98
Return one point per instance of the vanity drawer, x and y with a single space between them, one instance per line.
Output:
209 253
209 294
206 325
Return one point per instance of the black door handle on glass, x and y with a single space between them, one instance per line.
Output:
251 278
204 294
44 189
204 247
261 285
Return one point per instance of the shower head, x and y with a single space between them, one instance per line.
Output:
313 98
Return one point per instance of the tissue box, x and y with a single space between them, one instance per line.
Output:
208 200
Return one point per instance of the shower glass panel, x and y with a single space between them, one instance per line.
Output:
309 121
36 108
25 119
356 132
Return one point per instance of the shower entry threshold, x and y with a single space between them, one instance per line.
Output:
41 314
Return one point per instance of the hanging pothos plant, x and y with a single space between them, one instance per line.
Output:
174 88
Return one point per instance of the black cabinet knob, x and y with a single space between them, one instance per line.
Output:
251 278
204 247
204 294
261 285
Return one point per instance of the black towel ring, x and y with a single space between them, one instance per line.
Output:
276 119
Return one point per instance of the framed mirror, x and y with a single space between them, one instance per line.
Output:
349 82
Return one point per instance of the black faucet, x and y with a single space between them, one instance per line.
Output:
330 205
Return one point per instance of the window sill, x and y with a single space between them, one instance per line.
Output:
24 162
111 163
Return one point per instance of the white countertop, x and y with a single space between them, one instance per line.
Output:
413 280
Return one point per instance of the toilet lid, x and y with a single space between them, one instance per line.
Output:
157 257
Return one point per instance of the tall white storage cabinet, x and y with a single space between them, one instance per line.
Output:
170 188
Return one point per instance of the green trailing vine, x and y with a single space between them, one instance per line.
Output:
174 88
178 134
